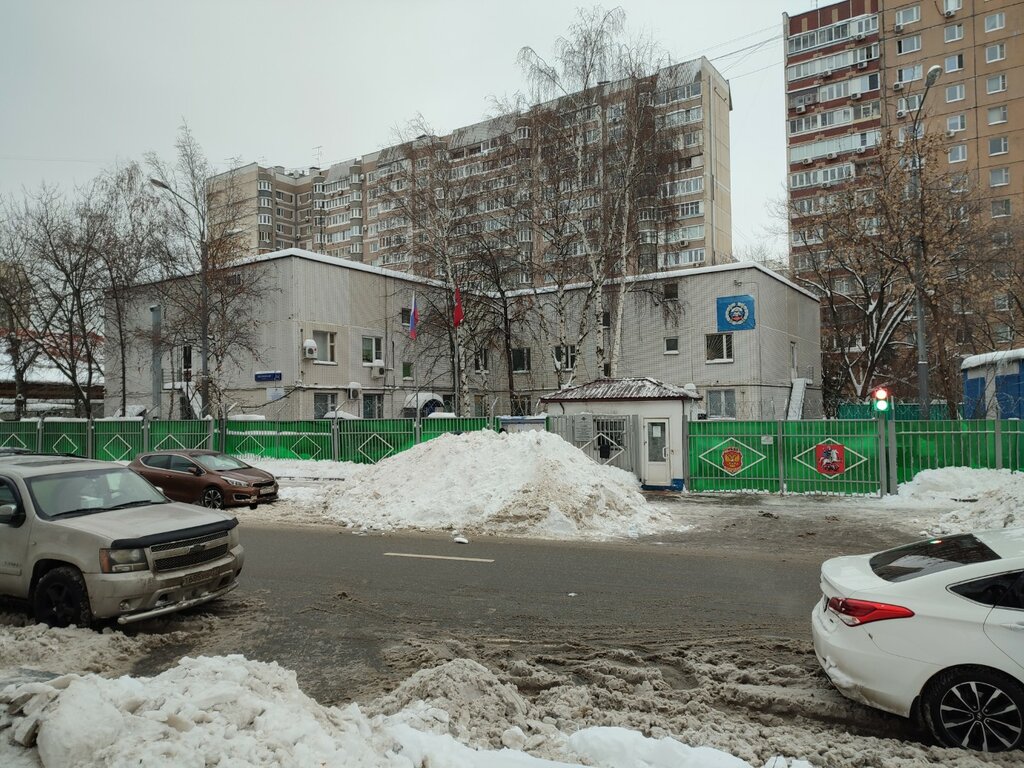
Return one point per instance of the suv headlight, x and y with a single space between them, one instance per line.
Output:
236 483
122 560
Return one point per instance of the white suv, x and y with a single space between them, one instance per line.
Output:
84 540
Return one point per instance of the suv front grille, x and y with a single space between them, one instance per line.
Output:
186 553
189 559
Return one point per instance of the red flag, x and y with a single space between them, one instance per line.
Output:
457 312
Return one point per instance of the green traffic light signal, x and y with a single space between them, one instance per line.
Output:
881 405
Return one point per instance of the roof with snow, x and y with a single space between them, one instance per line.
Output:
1006 356
638 388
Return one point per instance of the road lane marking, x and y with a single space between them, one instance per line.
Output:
438 557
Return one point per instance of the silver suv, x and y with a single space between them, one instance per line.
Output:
84 540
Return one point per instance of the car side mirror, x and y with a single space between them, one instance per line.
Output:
10 514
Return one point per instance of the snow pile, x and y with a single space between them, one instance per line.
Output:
232 711
530 483
304 469
965 499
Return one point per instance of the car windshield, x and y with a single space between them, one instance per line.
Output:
95 490
218 462
925 557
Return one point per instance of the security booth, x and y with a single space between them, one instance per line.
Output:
635 424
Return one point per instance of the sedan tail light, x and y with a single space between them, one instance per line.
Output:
856 612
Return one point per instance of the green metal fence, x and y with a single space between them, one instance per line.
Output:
734 456
365 441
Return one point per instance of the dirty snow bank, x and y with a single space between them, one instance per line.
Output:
528 483
232 711
963 499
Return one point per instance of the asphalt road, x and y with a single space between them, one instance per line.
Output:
331 605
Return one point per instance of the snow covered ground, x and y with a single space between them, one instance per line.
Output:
700 703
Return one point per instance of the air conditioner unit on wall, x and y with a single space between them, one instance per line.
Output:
807 161
949 14
855 95
309 349
377 369
897 27
861 150
901 113
800 108
831 155
859 36
827 73
862 65
897 86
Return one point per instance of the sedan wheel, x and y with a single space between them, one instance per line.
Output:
976 708
213 498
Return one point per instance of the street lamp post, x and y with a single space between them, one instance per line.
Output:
204 299
923 398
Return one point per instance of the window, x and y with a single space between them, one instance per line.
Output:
480 361
373 406
672 345
324 346
521 360
909 103
932 556
995 52
999 177
521 405
908 44
954 63
324 402
719 347
373 349
909 74
565 357
721 403
1000 208
479 406
995 21
407 370
1005 590
995 84
671 290
406 315
1001 303
908 15
266 202
953 32
958 153
1003 333
955 92
265 219
998 145
951 6
606 319
264 186
997 115
956 123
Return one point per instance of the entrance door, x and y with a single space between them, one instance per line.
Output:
657 466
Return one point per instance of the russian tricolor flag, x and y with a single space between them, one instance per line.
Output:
414 318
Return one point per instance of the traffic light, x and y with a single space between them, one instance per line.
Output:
880 399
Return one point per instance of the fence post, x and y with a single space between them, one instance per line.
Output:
39 435
90 434
779 450
209 435
999 443
893 476
335 441
686 453
882 484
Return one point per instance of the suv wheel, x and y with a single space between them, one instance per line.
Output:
975 708
62 599
212 497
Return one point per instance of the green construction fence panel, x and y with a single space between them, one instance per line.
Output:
117 440
922 445
191 434
831 457
278 439
734 456
20 434
367 441
66 436
431 428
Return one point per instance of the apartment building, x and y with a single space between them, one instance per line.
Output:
359 209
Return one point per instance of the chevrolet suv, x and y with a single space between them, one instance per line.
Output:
86 540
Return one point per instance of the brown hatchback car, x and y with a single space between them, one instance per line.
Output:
208 478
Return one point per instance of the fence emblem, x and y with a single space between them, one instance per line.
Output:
15 442
831 458
116 442
732 456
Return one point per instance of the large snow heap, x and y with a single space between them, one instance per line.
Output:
519 483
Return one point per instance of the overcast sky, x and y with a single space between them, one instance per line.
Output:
85 84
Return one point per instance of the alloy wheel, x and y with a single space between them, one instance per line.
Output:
981 716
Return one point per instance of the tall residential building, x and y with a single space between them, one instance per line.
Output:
856 67
359 209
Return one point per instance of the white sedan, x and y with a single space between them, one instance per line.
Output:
933 629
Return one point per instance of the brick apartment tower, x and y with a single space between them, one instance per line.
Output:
855 69
344 211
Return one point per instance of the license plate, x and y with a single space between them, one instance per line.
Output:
266 491
198 578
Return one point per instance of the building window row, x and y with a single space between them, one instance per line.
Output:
825 65
821 176
856 28
830 148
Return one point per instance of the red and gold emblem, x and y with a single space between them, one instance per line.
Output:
732 460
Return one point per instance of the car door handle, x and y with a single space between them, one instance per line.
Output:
1017 625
